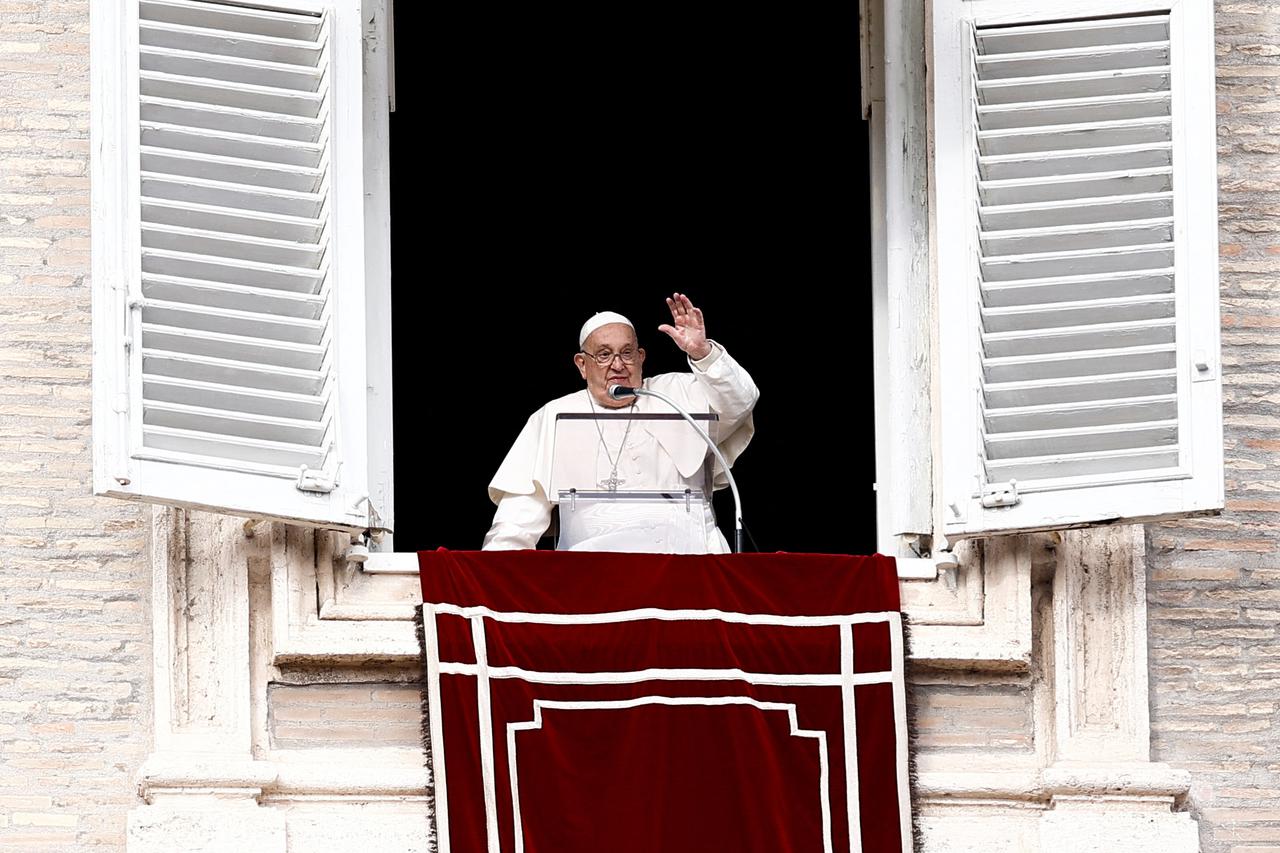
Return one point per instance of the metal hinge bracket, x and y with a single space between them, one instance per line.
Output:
1000 494
310 480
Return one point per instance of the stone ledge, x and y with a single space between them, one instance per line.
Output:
1147 784
389 773
1130 779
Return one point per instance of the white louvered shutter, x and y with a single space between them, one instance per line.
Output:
1077 263
230 260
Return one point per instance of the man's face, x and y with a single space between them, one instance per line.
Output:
610 343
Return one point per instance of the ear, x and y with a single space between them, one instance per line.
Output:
581 361
640 360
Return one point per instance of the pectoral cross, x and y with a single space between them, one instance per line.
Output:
612 483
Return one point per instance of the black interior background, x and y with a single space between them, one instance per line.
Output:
552 161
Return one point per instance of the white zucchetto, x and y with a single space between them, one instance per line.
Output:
604 318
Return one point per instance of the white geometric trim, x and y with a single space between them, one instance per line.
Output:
846 679
662 615
790 709
484 716
661 674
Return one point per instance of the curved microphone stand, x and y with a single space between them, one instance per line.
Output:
621 392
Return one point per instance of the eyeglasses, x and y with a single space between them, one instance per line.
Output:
605 358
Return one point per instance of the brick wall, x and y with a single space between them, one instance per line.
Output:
375 714
74 636
1214 584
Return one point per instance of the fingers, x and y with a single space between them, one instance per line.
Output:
669 331
682 310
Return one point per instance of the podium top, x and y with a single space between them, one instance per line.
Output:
631 451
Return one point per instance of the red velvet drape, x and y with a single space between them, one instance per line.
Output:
632 702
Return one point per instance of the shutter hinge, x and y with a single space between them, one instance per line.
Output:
1000 494
311 480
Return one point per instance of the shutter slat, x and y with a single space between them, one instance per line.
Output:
1082 366
1093 134
262 351
1072 440
254 48
233 170
1079 414
1083 312
233 398
1078 262
1095 84
241 146
1068 288
230 220
1066 35
213 294
1090 468
252 274
1073 111
235 246
222 194
1070 187
231 69
1074 161
1057 238
218 118
265 99
240 20
190 443
1062 392
223 371
1100 336
1073 60
284 430
204 319
1085 211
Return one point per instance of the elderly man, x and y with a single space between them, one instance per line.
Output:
609 354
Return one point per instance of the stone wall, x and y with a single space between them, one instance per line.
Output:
1214 583
75 648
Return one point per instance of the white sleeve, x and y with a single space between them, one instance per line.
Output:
518 523
729 389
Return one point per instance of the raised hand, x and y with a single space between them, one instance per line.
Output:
687 329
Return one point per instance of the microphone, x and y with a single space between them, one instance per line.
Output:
621 392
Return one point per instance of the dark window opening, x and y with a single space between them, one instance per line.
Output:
550 162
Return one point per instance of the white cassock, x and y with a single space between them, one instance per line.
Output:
717 384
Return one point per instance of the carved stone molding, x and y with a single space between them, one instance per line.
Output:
200 633
1100 646
228 598
978 615
326 611
1104 792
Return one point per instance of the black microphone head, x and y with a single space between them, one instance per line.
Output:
621 392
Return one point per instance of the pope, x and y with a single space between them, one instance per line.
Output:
629 456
